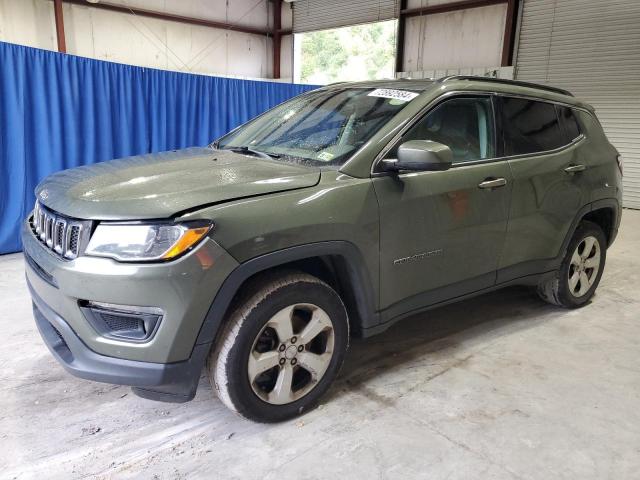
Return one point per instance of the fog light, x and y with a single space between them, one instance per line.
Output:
122 322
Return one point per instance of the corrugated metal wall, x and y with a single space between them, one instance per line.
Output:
311 15
591 48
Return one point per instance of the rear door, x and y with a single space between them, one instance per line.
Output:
541 140
441 233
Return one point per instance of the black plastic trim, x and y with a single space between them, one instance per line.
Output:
150 323
505 81
175 382
617 216
357 273
596 205
526 280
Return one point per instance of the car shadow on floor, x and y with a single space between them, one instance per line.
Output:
441 335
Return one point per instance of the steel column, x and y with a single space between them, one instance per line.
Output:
57 10
400 37
509 33
277 36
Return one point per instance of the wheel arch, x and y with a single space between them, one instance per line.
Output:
338 263
605 213
604 217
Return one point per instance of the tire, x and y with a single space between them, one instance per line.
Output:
251 342
562 289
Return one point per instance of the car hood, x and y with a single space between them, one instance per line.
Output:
160 185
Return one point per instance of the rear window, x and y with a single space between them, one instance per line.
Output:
530 126
569 123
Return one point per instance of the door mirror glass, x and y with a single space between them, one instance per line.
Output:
422 155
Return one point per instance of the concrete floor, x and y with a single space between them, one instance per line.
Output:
502 386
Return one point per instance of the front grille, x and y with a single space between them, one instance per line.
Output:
63 235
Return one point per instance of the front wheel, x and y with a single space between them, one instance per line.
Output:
576 280
281 348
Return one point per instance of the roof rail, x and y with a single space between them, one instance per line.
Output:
507 82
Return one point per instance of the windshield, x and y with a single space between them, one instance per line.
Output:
323 127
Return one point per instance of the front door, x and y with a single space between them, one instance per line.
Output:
441 233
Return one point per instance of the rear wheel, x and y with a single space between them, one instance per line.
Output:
282 347
576 281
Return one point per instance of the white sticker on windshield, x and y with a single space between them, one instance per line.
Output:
402 95
326 156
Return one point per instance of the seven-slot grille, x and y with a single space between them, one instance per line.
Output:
61 234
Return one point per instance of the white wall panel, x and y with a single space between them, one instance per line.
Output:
286 58
494 72
459 39
28 22
286 50
286 19
591 48
248 12
149 42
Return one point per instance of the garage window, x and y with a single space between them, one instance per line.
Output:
530 126
360 52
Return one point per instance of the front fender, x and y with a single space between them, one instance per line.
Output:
356 271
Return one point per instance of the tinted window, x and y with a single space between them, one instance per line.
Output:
530 126
465 125
570 124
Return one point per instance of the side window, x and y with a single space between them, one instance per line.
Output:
530 126
569 123
463 124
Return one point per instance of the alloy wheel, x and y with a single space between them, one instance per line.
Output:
584 266
291 353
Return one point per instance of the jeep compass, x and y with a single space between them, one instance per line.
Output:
331 216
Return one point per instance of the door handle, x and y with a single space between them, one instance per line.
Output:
493 183
575 168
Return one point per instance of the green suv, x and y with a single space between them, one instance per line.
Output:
334 214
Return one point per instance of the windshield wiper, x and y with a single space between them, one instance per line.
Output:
251 151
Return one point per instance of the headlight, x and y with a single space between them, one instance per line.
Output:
131 242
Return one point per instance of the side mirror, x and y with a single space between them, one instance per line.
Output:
421 156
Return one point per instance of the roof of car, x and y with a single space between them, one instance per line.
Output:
505 81
485 83
417 85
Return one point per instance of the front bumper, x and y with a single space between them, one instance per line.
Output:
175 382
169 363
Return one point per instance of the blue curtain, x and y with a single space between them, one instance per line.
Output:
60 111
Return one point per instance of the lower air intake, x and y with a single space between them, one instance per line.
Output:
122 322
